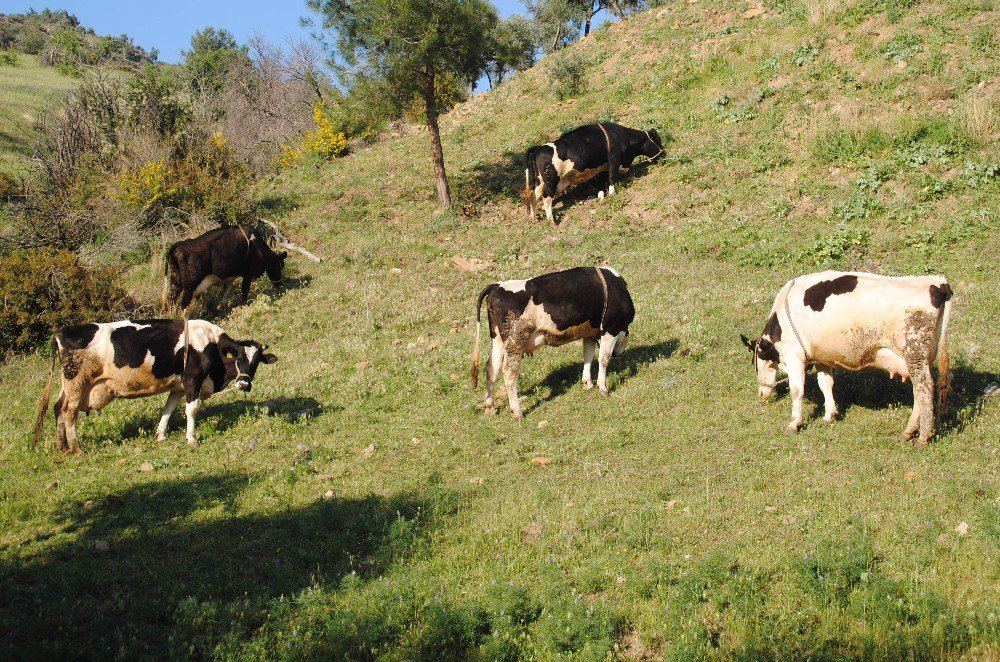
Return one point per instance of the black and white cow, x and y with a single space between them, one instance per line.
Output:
102 362
587 303
858 321
579 156
219 256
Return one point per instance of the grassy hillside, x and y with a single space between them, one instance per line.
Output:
358 502
27 90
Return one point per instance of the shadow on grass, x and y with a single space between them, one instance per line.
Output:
624 367
212 305
225 412
119 577
874 390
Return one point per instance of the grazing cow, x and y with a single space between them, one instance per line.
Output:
101 362
587 303
580 155
219 256
858 321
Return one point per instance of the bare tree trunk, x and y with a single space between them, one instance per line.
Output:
586 25
437 154
617 9
555 41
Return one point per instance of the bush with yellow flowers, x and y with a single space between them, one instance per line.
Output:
147 187
324 142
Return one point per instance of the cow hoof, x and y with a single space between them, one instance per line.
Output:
791 428
160 438
920 443
588 385
908 435
604 392
192 442
518 415
830 420
489 410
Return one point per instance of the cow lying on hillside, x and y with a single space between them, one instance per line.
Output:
102 362
580 155
219 256
587 303
858 321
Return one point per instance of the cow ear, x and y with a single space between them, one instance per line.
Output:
746 341
765 345
283 255
269 358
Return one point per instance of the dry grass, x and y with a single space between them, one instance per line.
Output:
981 115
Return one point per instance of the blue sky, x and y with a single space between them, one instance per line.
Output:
168 26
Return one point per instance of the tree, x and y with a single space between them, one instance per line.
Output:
514 45
402 47
212 54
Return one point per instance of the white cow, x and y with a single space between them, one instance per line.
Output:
858 321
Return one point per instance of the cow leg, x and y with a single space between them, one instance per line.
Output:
57 409
192 394
191 411
70 410
247 282
607 351
824 376
493 367
913 425
229 290
796 388
511 368
168 409
923 401
612 176
547 204
589 344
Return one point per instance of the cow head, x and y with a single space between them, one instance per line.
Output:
241 358
653 147
275 267
765 363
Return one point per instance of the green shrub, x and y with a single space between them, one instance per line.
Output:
566 75
846 240
9 58
43 290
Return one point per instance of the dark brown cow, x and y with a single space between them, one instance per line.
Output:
219 256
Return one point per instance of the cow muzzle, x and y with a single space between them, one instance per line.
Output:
243 383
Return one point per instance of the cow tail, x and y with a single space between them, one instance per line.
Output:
187 342
943 363
474 371
530 175
43 405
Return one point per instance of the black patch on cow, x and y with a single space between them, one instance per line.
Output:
766 351
571 298
816 296
158 337
939 295
773 328
78 336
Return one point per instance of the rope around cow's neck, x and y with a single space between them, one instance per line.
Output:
607 141
655 143
791 323
604 284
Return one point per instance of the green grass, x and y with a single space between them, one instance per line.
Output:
675 519
28 90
